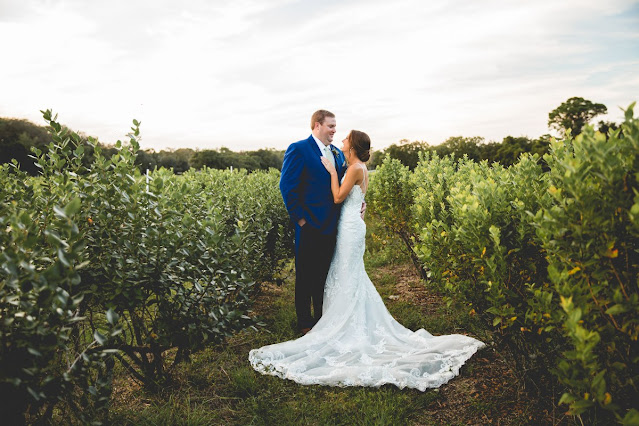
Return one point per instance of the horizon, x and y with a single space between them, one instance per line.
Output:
124 139
248 76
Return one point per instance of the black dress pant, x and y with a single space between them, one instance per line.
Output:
312 260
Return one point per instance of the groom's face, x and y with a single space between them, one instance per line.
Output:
326 130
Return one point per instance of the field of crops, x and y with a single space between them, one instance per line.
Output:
104 265
546 254
106 269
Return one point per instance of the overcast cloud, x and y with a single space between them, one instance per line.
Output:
249 74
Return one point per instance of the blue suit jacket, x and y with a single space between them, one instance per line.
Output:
306 186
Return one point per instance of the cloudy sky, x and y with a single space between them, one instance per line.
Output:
248 74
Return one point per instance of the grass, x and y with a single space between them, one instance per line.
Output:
220 387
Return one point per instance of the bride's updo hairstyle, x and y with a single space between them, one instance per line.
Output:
361 143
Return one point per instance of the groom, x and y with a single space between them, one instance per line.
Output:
306 189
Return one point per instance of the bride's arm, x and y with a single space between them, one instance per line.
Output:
352 176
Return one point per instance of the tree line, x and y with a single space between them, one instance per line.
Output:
475 148
18 136
569 117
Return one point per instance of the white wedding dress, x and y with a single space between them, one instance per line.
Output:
357 342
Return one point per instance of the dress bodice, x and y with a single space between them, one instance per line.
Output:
353 203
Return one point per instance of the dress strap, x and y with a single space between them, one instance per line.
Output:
365 181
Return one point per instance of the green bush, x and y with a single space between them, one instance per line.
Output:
389 197
590 236
39 300
549 259
478 242
157 266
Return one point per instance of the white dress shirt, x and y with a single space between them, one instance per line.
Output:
322 149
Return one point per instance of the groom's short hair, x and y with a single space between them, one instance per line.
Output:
319 116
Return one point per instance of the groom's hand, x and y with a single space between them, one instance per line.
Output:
301 222
363 211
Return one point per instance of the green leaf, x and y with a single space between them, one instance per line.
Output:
567 398
35 352
34 394
60 212
112 316
575 314
99 337
598 385
580 405
616 309
631 418
566 303
62 257
629 111
72 207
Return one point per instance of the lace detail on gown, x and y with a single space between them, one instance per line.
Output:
356 341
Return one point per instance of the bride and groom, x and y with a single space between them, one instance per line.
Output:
350 338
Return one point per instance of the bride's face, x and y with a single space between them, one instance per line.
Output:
346 149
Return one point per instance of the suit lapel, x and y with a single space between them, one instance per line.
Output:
336 158
338 163
314 146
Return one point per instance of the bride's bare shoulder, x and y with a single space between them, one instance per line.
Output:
356 168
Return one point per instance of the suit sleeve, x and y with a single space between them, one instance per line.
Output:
290 182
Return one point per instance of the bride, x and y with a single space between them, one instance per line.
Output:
357 342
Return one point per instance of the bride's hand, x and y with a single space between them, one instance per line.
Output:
329 167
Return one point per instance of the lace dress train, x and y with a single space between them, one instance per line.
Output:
356 341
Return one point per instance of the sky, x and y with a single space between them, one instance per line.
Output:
248 74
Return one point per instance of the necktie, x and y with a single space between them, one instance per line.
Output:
329 155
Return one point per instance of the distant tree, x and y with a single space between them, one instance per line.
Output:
16 139
460 146
544 139
268 158
574 114
145 160
241 160
541 145
511 148
407 152
208 157
489 151
223 158
178 160
26 132
607 126
15 150
377 157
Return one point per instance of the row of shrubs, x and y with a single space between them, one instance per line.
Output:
550 260
103 265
